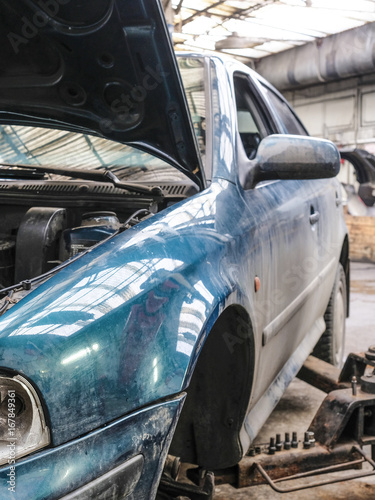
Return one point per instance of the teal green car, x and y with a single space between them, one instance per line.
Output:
171 245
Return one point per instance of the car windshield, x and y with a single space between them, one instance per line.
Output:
24 145
20 145
192 72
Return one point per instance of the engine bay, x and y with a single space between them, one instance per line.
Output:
48 236
46 225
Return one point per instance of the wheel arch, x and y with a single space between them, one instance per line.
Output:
208 432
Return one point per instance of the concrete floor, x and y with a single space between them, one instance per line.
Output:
299 404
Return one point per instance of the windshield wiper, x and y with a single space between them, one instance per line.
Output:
91 175
11 173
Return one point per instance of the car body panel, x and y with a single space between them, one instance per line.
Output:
56 472
290 298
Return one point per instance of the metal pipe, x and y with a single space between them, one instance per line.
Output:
343 55
271 483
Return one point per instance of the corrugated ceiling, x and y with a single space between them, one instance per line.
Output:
253 29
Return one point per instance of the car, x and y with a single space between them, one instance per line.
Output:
172 250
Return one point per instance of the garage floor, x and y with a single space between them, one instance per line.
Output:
299 404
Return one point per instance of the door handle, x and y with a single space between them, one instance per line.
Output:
314 218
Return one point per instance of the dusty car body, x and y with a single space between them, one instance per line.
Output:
148 253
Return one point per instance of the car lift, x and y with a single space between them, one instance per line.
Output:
334 441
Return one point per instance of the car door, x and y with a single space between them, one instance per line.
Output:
287 229
325 204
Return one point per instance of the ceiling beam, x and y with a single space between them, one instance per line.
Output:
200 12
178 8
239 13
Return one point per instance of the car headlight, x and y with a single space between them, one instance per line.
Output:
23 427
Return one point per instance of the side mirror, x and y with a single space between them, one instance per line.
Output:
293 157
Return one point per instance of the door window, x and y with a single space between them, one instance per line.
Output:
287 119
250 125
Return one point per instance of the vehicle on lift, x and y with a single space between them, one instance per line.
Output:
157 245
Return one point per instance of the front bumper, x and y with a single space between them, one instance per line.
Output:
124 458
117 483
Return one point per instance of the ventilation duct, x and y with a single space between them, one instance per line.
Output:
343 55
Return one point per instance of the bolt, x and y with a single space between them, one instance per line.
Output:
279 444
294 440
354 385
287 443
252 452
312 439
272 447
173 115
180 146
26 284
230 422
306 443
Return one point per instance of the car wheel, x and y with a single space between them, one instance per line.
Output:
330 347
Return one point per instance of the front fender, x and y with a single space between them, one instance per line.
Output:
120 327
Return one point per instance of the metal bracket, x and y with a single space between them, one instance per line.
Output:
172 487
324 470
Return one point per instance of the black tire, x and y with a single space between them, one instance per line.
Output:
330 347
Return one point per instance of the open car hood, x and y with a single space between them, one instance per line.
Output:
103 67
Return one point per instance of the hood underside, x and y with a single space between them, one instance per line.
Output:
105 67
